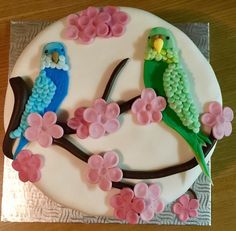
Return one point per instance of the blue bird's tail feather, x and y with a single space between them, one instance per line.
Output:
23 141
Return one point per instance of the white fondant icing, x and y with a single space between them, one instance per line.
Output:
151 147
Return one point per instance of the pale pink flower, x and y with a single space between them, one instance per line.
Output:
43 129
151 196
218 120
96 22
148 108
104 170
102 118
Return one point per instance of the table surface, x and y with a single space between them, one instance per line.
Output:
222 18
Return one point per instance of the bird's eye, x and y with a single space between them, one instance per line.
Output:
62 49
167 37
149 37
46 51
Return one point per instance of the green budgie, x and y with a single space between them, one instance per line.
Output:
164 73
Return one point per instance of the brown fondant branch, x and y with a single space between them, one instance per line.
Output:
20 93
74 150
124 107
135 174
112 78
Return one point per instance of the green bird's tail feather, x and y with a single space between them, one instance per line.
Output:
195 140
199 155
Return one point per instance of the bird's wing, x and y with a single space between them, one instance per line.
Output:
42 94
180 100
153 78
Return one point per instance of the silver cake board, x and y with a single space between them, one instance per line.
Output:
23 202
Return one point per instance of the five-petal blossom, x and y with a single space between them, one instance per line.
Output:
104 170
79 124
218 119
96 22
102 118
151 196
148 108
28 166
43 129
186 207
127 206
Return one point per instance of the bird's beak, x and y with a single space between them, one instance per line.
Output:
158 44
55 57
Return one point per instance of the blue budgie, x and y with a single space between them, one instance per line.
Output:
49 90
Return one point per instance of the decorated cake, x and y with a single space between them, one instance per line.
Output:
114 112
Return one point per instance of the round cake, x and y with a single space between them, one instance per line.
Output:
117 94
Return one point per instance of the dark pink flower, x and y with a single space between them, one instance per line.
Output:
43 129
102 118
218 120
151 196
104 170
79 124
28 166
148 108
127 206
186 207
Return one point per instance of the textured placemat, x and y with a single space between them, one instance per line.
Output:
23 202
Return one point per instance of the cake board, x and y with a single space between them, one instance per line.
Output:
25 203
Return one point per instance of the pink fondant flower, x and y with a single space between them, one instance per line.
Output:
104 170
84 21
92 11
120 18
127 206
72 19
219 120
28 166
71 32
186 207
111 9
79 124
102 22
151 196
102 118
102 30
148 108
43 129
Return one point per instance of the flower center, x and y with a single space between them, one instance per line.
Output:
103 119
103 171
186 210
44 128
148 202
148 107
220 119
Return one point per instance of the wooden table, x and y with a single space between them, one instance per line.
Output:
222 18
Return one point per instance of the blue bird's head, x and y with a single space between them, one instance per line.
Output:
54 56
